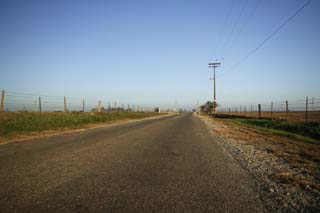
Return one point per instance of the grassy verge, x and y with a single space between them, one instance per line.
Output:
307 132
14 124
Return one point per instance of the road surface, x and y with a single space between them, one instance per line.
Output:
169 164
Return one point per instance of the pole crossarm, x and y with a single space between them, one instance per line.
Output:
215 64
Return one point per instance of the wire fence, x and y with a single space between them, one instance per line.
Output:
303 110
18 102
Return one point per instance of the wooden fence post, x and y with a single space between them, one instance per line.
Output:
2 101
271 110
65 104
245 111
83 105
287 109
307 109
39 103
259 108
99 106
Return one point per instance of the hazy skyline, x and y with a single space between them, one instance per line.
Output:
156 52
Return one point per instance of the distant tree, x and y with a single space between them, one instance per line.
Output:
207 107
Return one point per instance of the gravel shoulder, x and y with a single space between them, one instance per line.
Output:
287 171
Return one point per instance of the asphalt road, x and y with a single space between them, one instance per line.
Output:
171 164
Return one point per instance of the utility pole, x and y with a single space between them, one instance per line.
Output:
214 66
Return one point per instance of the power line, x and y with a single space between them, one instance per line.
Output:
235 25
245 23
270 35
220 38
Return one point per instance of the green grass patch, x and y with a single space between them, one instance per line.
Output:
307 132
24 123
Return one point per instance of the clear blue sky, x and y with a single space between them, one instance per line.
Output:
156 52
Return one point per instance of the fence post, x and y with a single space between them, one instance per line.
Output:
307 109
259 108
240 111
287 109
245 111
251 111
99 106
39 103
83 105
271 110
2 101
65 104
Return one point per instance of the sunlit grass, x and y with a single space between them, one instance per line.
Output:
20 123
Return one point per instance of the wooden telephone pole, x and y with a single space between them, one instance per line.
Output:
214 66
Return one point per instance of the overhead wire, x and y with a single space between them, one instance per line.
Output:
222 32
234 26
251 14
290 18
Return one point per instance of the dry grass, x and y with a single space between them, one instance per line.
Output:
296 180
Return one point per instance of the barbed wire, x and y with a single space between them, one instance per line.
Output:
295 110
19 101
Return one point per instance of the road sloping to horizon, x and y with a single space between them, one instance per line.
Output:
169 164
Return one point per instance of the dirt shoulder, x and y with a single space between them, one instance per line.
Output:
287 171
49 133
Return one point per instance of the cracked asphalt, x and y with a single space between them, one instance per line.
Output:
168 164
